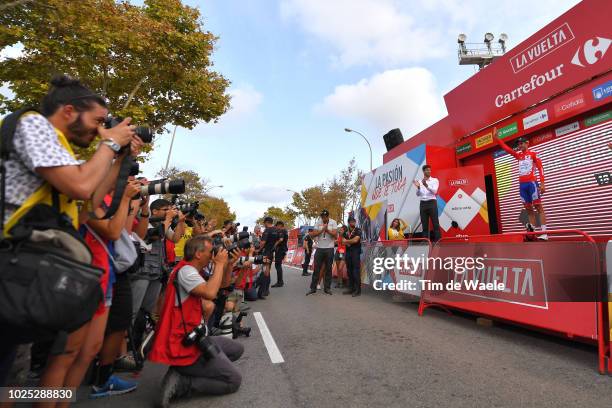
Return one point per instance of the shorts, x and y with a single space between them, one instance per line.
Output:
236 296
339 256
530 193
120 314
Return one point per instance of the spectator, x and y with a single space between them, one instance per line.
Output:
396 230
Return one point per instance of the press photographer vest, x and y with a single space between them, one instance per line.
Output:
44 194
168 343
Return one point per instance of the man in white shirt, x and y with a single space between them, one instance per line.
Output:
427 189
324 236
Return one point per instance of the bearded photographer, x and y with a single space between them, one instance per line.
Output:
198 363
41 165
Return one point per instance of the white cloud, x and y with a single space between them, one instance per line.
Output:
365 31
266 194
391 33
13 51
245 101
404 98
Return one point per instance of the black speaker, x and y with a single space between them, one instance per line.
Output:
393 138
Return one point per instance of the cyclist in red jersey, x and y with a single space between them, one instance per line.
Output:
530 188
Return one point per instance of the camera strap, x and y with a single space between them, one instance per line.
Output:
122 180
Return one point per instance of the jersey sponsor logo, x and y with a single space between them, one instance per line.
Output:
569 105
591 52
542 47
535 119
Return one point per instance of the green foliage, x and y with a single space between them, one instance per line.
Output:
286 215
339 195
152 62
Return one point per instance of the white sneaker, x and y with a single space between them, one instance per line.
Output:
319 286
543 237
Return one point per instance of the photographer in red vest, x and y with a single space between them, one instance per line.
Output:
198 363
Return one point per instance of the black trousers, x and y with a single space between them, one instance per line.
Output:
429 211
278 264
324 257
306 261
353 270
217 376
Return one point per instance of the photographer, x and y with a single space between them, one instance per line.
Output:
43 162
198 363
280 251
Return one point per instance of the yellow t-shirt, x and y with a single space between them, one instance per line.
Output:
393 234
179 249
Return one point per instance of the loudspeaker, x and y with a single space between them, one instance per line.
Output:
393 138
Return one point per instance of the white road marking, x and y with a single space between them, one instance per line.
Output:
273 351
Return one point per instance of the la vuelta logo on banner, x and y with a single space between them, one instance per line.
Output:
541 48
389 182
592 51
457 182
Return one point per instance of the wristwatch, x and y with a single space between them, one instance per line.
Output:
114 146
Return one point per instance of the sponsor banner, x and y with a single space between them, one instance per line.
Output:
599 118
571 50
603 91
484 140
542 47
569 105
462 208
464 148
567 129
507 130
535 119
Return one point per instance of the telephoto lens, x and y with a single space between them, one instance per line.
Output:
143 132
163 187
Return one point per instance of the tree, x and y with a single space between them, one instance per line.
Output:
339 196
152 62
216 208
286 215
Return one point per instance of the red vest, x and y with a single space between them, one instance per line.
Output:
167 346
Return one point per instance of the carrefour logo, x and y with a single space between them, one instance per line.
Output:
591 52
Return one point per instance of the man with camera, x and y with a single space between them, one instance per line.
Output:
324 236
198 363
280 251
41 168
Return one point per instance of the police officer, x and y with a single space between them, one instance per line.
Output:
352 240
266 246
280 251
308 243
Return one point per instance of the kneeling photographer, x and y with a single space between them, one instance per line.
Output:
198 363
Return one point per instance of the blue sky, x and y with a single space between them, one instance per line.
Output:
303 70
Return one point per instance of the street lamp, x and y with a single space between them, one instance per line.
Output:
364 138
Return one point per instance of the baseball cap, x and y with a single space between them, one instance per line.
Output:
324 213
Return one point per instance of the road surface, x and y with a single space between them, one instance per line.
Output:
372 350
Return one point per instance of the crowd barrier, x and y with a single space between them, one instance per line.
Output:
559 286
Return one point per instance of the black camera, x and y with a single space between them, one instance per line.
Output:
162 186
143 132
256 260
243 239
198 336
135 168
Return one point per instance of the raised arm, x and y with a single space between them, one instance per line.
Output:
503 144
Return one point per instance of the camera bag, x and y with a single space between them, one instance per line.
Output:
48 287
